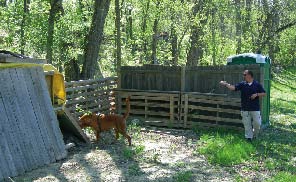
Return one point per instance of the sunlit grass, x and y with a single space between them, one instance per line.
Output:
283 177
225 149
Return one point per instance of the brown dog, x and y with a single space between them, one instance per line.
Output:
106 122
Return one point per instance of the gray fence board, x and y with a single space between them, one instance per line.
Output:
12 128
202 79
7 146
23 97
52 123
21 115
44 153
41 117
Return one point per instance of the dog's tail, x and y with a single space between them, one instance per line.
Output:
128 107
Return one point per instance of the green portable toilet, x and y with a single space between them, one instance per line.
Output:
264 62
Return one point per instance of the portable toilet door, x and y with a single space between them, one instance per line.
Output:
265 74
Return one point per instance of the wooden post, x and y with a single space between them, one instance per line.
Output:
171 109
217 113
183 79
119 103
185 109
146 107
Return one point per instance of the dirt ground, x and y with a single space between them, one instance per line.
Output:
156 155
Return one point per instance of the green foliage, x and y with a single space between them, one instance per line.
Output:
183 176
131 153
225 149
283 177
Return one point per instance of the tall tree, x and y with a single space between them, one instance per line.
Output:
25 14
118 37
196 52
238 27
94 40
56 7
144 29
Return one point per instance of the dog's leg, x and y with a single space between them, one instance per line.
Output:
116 134
97 136
127 137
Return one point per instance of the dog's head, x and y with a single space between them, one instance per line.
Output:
87 120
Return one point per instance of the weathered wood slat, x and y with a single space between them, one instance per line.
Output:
36 120
233 111
38 110
8 162
215 102
214 118
87 94
22 95
88 99
75 89
13 128
84 82
52 121
146 104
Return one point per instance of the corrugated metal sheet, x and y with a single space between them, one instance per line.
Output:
30 136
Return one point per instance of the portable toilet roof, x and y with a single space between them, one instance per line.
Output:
248 58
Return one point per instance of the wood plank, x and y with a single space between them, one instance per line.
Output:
7 161
86 94
233 111
78 88
71 123
42 154
152 105
171 108
215 102
12 126
45 123
83 82
214 118
52 118
23 100
185 109
48 155
21 120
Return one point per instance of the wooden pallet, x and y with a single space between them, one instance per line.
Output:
210 110
156 108
90 96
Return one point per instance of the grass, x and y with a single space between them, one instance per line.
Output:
274 153
283 177
225 149
183 176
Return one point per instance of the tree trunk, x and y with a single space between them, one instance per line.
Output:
23 41
195 53
174 43
238 27
154 42
118 37
94 40
213 32
144 28
56 6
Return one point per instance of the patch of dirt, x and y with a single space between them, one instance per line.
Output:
156 155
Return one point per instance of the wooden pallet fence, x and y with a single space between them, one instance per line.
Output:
156 108
208 110
90 96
